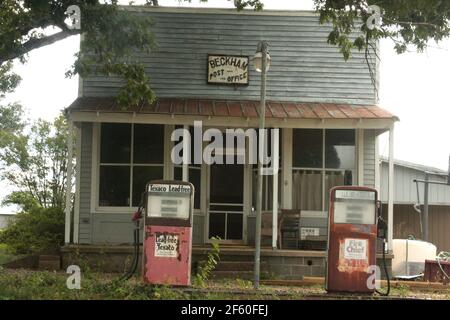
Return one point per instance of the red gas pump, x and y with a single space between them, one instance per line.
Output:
168 233
352 235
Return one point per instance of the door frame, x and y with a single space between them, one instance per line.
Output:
247 185
246 195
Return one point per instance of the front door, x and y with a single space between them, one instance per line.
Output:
226 202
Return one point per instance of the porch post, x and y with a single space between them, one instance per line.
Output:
186 152
286 185
76 204
391 188
276 145
68 182
360 140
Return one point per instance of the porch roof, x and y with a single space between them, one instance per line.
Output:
234 108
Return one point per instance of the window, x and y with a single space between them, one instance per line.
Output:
194 178
131 155
340 149
194 171
307 148
321 159
267 194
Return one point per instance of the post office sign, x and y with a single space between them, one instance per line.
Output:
228 69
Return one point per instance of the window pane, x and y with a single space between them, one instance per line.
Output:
234 226
307 148
307 190
217 225
148 143
267 194
178 173
340 149
336 178
141 176
194 178
115 143
114 186
226 183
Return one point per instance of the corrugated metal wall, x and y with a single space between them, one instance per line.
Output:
406 190
304 67
406 222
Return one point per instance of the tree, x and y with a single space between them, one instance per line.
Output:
24 27
106 51
34 163
33 160
406 22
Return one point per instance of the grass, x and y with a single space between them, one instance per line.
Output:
37 285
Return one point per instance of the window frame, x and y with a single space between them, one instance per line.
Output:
199 192
96 164
323 170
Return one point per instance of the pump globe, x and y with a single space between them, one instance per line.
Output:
257 61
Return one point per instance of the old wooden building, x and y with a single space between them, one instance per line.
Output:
326 109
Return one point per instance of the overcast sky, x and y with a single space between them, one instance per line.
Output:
413 86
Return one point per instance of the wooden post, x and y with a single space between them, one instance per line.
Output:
186 152
391 188
68 208
275 154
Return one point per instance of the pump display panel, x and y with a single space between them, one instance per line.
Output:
356 207
169 201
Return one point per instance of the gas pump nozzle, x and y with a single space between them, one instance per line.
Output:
137 215
381 223
382 234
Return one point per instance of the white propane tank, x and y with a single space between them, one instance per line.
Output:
409 257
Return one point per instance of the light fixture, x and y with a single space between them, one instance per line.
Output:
257 60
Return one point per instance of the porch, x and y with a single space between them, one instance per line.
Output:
235 261
318 146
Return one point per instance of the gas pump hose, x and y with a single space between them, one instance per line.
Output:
386 272
127 275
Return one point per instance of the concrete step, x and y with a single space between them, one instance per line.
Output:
236 266
245 275
239 266
49 262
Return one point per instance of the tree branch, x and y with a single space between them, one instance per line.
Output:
38 43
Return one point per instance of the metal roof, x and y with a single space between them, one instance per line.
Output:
233 108
416 166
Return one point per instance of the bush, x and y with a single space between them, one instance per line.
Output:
40 230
